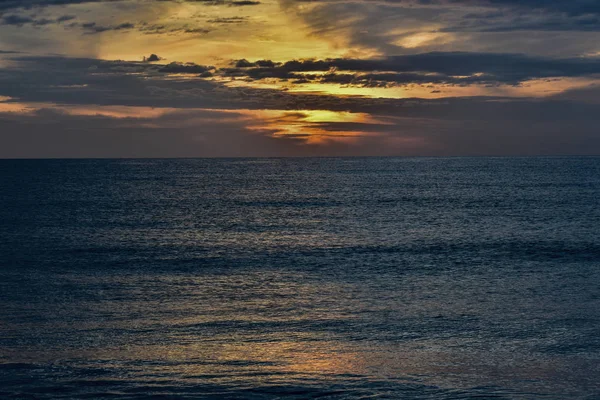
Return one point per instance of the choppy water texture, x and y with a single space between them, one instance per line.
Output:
300 278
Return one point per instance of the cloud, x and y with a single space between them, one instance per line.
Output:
53 133
231 3
512 22
152 58
92 27
76 105
17 20
162 29
21 20
242 3
342 105
452 68
348 28
470 25
228 20
29 4
185 68
440 128
88 81
587 95
572 7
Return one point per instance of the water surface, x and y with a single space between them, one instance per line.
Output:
339 278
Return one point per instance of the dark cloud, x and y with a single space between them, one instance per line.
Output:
451 126
451 68
65 18
241 3
94 82
51 133
185 68
358 17
17 20
88 27
29 4
231 3
93 28
585 95
21 20
243 63
88 81
571 7
155 29
152 58
509 22
472 25
228 20
193 30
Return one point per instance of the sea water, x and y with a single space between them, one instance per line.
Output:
349 278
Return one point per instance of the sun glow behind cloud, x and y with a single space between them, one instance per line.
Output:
530 88
311 126
215 33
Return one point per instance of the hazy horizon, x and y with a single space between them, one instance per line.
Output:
297 157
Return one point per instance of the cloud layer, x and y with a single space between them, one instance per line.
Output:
91 108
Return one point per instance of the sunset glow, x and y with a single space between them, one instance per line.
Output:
322 73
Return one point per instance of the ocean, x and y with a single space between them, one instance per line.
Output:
329 278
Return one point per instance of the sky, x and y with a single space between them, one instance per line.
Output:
245 78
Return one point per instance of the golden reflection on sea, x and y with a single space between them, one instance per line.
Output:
268 328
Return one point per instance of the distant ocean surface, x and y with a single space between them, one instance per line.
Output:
329 278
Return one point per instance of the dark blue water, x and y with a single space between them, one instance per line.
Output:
357 278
